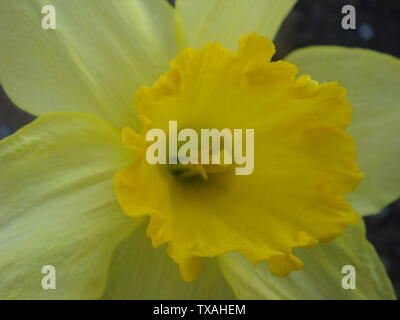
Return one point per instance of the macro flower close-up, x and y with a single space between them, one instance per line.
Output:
173 156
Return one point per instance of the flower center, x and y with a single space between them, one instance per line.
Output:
192 172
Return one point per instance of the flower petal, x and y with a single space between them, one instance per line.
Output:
100 52
321 277
200 21
138 271
372 81
58 206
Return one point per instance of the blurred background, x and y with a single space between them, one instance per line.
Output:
317 22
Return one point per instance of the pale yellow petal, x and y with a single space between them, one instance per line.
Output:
372 81
139 271
99 53
322 275
200 21
57 206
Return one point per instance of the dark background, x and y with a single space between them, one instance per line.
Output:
318 22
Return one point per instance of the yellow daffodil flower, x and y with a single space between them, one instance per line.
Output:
77 193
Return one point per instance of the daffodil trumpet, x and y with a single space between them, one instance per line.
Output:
297 121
